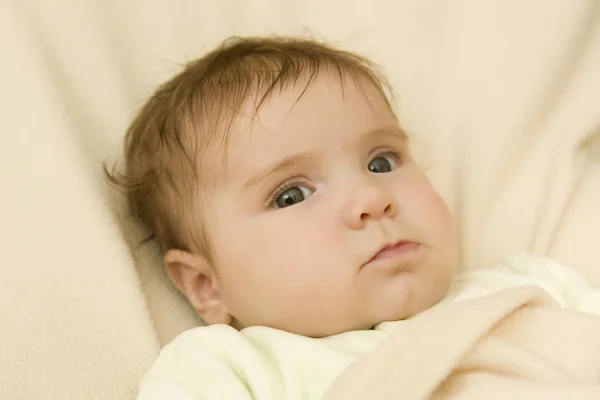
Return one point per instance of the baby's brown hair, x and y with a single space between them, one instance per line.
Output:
183 127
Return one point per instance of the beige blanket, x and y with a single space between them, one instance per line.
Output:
515 344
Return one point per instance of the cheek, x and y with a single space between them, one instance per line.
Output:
427 211
286 246
436 224
302 238
438 212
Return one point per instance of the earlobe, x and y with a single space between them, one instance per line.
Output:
195 279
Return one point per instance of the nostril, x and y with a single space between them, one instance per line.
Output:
388 209
364 216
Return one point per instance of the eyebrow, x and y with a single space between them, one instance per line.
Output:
283 164
301 158
385 131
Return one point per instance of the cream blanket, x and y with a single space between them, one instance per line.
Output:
511 345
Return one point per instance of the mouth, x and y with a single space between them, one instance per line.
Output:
397 250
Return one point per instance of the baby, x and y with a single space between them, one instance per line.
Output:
294 219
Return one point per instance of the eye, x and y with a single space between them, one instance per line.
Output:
383 163
291 196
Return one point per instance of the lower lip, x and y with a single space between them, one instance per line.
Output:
401 249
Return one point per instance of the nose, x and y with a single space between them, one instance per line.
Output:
368 202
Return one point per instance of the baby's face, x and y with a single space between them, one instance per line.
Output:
324 223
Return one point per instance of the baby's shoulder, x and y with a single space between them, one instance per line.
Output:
218 361
199 346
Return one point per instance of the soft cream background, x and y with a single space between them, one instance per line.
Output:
502 98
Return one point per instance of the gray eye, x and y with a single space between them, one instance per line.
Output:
292 196
382 164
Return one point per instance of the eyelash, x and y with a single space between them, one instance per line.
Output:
396 154
281 188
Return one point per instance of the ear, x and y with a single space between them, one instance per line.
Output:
195 278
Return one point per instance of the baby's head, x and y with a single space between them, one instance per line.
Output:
281 187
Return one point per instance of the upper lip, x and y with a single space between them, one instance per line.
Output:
386 246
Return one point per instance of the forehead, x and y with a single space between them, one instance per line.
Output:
327 114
